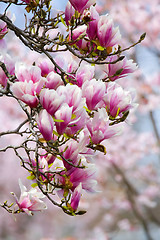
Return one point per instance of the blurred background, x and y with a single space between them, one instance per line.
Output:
127 204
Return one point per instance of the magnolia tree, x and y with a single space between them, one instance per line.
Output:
70 104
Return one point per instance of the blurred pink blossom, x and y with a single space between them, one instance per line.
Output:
30 201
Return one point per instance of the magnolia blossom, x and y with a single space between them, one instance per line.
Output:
99 127
69 12
74 176
29 84
26 92
45 124
93 23
81 5
79 118
78 33
72 95
93 91
77 37
85 72
27 73
3 29
53 80
108 36
74 151
71 153
87 177
46 67
76 196
118 100
30 201
3 32
43 167
120 69
10 67
63 117
50 100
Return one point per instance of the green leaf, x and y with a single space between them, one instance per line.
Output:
81 212
100 48
66 136
56 23
58 120
31 177
62 21
118 72
50 165
101 148
76 14
34 185
73 116
117 112
87 109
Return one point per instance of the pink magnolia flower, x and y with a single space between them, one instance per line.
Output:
70 152
48 156
77 35
72 65
93 91
30 201
46 67
72 95
87 177
108 36
79 118
78 32
74 176
118 100
82 44
120 69
45 124
10 67
93 23
74 151
3 45
63 115
51 100
69 12
53 80
81 5
99 127
26 92
28 1
76 196
43 167
29 84
27 73
3 29
85 72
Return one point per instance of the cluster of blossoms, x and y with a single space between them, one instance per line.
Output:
70 112
99 31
